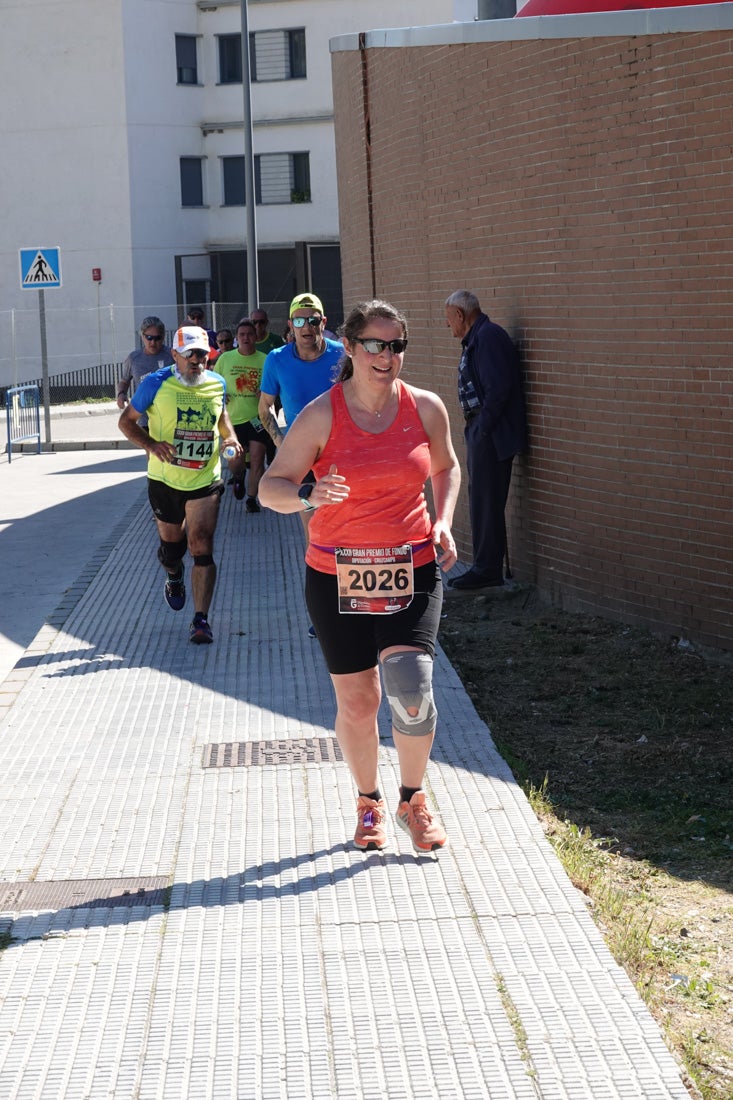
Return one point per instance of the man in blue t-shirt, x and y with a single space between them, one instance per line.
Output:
298 373
301 370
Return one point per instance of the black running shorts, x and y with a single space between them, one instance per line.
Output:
352 643
247 433
169 505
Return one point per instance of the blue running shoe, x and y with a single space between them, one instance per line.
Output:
175 591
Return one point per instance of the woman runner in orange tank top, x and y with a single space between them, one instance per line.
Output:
374 557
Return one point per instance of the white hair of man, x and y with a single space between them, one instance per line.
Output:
464 300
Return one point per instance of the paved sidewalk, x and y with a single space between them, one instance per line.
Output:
90 427
57 512
185 915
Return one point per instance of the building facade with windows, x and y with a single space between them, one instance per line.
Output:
126 151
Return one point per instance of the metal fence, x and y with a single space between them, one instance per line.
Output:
90 383
23 416
84 346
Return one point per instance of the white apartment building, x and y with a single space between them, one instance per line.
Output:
124 147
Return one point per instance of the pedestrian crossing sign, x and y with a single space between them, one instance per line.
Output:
40 268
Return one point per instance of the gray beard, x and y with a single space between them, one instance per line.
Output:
189 381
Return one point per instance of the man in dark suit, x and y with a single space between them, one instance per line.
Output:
491 398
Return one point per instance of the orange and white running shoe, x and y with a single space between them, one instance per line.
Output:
369 835
415 818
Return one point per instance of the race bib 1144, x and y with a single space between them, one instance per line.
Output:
193 449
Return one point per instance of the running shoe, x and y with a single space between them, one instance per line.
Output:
200 631
311 631
251 504
369 835
238 489
175 591
415 818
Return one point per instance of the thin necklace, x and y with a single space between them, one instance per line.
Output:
373 412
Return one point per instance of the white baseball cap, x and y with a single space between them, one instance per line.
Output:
190 338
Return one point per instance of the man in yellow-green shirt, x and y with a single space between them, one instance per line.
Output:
242 371
188 423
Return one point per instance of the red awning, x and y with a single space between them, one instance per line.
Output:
575 7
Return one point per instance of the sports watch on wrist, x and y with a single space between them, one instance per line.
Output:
304 493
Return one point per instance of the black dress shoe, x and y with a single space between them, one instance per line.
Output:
472 579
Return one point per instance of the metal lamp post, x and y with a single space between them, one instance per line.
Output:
249 171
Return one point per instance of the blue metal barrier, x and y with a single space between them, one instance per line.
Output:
23 415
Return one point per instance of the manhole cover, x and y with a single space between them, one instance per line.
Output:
95 893
245 754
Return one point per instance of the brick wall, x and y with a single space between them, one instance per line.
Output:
582 188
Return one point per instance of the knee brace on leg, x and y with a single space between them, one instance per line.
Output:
170 554
203 559
408 685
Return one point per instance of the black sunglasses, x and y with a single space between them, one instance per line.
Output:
200 355
314 322
151 338
376 347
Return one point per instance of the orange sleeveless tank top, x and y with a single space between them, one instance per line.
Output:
386 474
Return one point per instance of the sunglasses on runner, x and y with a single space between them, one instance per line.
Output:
376 347
314 322
151 338
200 355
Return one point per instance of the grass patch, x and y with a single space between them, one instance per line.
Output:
622 742
515 1020
91 401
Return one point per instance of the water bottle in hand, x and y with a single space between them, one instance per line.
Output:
229 452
